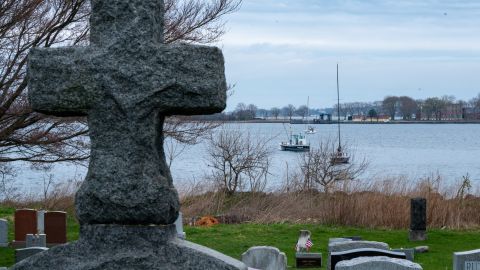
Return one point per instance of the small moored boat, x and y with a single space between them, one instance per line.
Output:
296 143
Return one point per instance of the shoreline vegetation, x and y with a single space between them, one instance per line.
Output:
300 122
381 204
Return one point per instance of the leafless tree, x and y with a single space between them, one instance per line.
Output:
390 105
275 112
238 161
319 171
408 106
24 24
289 111
302 111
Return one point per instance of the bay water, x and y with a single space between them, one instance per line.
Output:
408 150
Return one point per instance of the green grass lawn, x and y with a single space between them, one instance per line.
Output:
233 240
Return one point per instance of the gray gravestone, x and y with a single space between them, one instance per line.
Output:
41 221
467 260
377 263
265 258
36 240
23 253
350 245
336 257
418 219
3 233
337 240
126 82
179 226
409 252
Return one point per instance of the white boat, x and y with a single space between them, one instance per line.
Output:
310 130
296 143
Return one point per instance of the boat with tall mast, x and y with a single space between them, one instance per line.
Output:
339 157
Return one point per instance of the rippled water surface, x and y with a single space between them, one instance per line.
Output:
414 151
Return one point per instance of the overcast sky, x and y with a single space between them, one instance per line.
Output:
282 51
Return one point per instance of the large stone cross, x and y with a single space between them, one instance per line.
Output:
126 82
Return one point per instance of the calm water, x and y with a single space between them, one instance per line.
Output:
413 151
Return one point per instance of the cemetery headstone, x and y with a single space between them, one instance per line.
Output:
23 253
418 219
303 257
265 258
56 227
179 226
41 221
126 82
352 245
3 233
466 260
377 263
409 252
336 240
336 257
304 242
36 240
308 260
25 223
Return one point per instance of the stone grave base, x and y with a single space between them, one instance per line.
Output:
417 235
114 247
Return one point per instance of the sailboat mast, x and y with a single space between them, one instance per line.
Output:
338 112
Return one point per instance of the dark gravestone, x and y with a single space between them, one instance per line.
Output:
25 223
126 82
418 219
336 257
23 253
308 260
56 227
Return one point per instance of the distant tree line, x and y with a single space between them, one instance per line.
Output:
392 107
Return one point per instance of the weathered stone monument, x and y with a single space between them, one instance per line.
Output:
126 82
418 219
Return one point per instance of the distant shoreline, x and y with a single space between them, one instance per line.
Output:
258 121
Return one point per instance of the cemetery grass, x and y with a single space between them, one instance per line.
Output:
233 240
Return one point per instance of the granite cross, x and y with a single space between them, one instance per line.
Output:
126 82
